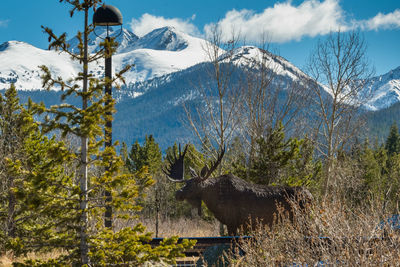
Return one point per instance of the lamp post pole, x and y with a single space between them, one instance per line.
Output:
108 127
107 15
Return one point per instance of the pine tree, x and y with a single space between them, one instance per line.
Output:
149 155
46 196
15 126
392 144
10 141
283 161
75 197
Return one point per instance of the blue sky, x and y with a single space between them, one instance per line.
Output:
292 26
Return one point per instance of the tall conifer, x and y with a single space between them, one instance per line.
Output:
15 126
392 144
75 197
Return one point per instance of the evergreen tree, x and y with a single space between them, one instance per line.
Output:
75 198
15 126
370 165
392 144
149 155
391 188
303 169
46 196
281 161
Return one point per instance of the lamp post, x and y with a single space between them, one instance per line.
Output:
108 16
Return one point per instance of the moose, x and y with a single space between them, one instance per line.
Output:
233 201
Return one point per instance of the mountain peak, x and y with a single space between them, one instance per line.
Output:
9 44
123 37
165 38
164 29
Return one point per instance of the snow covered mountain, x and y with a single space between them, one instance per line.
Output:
19 63
167 65
156 55
247 55
160 52
385 90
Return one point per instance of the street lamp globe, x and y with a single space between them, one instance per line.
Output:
107 15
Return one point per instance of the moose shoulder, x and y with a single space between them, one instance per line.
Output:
233 201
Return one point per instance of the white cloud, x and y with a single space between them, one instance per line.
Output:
284 22
382 21
4 23
147 22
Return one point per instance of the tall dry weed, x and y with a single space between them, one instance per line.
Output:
331 234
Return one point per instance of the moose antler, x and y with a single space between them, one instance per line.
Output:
176 169
206 172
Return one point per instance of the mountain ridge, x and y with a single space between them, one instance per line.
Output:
155 55
184 51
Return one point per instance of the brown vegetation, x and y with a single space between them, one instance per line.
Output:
333 234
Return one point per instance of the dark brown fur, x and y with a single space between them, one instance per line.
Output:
237 203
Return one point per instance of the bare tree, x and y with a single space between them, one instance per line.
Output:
214 121
339 63
269 97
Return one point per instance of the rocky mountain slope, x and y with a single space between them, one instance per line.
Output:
385 90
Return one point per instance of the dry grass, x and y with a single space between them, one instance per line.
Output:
7 259
182 227
331 234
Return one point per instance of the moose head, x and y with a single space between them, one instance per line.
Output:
193 188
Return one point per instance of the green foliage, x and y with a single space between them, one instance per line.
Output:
16 125
127 248
392 144
46 205
147 155
283 161
369 176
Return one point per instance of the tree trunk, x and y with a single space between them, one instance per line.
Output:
11 212
84 147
